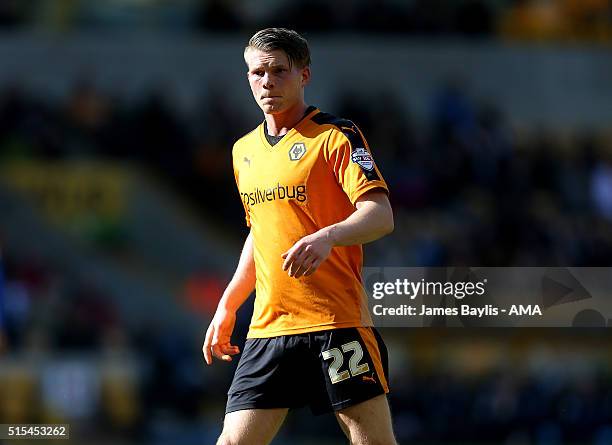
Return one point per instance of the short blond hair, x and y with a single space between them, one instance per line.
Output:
292 43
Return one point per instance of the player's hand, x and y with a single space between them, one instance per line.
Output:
307 254
217 342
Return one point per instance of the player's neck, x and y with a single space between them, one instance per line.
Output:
281 123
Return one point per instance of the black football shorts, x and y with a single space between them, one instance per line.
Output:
325 370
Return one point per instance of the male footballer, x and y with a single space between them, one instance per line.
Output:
312 196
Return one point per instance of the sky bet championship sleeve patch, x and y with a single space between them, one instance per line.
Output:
359 153
362 157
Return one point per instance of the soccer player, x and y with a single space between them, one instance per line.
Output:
312 195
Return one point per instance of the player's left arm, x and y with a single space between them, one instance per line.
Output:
372 220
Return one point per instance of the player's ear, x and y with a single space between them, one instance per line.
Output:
305 76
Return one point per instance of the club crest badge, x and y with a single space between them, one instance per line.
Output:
362 157
297 151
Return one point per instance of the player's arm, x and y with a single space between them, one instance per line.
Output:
218 335
372 220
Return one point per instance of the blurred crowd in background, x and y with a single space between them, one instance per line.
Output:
532 20
467 189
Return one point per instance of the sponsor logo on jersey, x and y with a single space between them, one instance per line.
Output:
296 151
257 196
362 157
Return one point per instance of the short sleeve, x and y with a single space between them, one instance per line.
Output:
242 197
352 163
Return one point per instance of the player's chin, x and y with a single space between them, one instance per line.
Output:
270 107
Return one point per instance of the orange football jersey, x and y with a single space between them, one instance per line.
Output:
309 180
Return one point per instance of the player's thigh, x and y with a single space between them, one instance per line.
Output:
368 423
251 426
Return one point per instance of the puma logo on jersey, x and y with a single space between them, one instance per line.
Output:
247 161
349 128
367 378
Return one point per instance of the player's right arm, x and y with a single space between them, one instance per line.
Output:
218 335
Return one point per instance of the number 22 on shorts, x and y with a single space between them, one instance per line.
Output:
337 356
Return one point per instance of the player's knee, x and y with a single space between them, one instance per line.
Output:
223 440
361 438
374 441
233 437
227 439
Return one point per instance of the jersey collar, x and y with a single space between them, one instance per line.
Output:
309 113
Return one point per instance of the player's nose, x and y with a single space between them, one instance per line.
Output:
267 81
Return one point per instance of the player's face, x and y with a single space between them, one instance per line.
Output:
276 86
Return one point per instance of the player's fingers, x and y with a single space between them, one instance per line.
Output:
216 351
298 261
313 267
207 344
296 267
225 352
306 260
208 357
304 266
229 349
207 354
291 254
288 257
310 270
288 260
